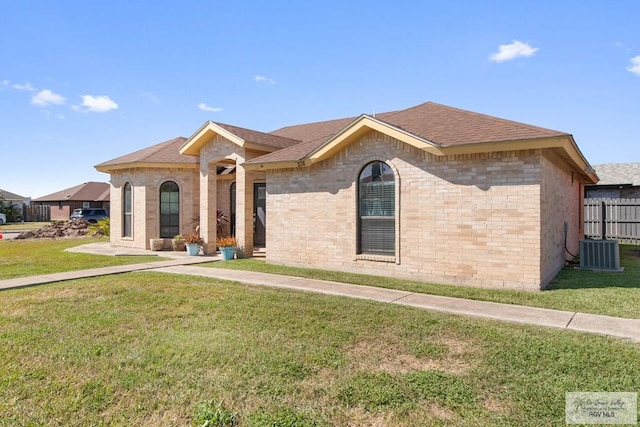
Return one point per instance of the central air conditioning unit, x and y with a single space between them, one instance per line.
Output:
600 255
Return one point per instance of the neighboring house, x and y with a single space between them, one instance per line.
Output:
12 199
617 181
430 193
87 195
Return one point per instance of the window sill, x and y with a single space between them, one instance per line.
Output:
376 258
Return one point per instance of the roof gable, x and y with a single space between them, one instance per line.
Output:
427 126
435 128
243 137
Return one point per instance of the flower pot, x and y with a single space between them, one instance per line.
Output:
228 252
193 249
156 244
178 245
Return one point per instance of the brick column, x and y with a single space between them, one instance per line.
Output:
244 208
208 206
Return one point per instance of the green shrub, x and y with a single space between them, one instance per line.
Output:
101 228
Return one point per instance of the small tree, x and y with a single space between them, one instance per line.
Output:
10 210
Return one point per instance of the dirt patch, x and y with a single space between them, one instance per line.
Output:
376 356
60 230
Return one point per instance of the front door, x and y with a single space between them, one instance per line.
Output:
259 214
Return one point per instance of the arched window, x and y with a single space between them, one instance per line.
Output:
376 210
169 209
127 211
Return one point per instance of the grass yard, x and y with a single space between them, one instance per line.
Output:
21 258
612 294
153 349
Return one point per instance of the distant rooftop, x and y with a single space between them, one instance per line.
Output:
88 191
7 195
618 173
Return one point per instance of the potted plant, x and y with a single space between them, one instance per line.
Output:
227 247
178 243
193 242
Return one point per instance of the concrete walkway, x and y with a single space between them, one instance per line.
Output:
591 323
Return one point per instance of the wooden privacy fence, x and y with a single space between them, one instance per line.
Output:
36 213
612 219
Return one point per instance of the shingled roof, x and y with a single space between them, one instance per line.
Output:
438 124
88 191
619 173
167 152
432 127
9 196
269 139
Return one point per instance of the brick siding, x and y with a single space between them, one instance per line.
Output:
466 219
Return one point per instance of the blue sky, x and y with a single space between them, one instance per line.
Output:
82 82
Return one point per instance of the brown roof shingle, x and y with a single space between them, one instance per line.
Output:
88 191
446 126
164 152
439 124
269 139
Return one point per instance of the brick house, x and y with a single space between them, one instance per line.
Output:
431 193
86 195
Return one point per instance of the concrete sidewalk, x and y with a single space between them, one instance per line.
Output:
182 264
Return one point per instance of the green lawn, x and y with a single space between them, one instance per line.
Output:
151 349
612 294
21 258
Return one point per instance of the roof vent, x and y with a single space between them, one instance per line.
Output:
600 255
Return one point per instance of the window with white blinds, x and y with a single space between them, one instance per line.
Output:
376 210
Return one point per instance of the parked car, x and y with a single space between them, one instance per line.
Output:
89 214
3 219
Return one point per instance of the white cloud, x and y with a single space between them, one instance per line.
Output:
97 104
507 52
262 79
45 97
26 86
635 65
204 107
151 97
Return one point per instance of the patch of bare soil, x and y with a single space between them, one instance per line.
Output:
61 230
374 355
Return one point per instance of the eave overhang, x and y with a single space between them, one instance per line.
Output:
145 165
